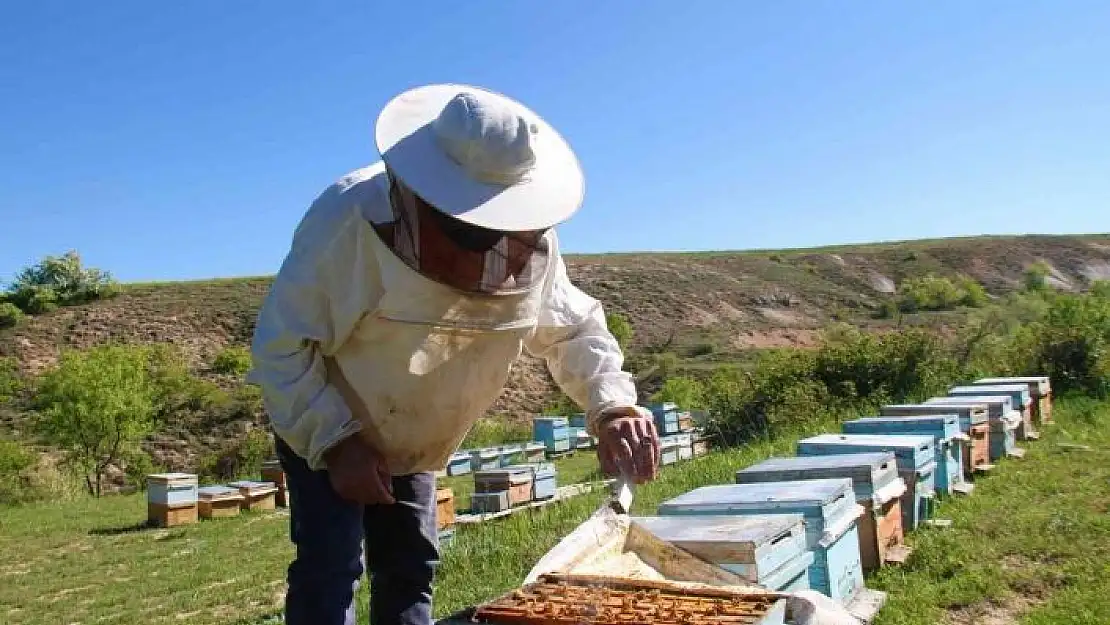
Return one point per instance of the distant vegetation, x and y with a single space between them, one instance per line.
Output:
54 281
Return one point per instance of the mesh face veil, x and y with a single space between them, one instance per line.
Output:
454 253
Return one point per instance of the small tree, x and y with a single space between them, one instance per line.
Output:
97 405
10 315
59 281
1036 277
686 392
620 327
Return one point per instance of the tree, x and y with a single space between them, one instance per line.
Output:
1036 277
620 327
97 405
686 392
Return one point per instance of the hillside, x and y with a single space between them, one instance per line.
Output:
716 306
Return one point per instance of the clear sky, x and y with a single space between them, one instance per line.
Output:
168 140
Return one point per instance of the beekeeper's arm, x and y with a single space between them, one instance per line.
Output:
583 356
323 288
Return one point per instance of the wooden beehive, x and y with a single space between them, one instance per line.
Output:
685 421
877 487
218 502
974 424
534 452
768 550
256 495
515 481
700 444
830 511
948 442
543 479
1002 419
445 508
171 499
272 472
1020 401
1040 388
685 443
913 454
485 459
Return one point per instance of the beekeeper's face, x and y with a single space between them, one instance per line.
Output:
458 254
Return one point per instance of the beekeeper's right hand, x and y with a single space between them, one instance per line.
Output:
357 472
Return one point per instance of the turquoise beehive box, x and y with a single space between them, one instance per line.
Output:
1004 421
914 454
768 550
948 440
485 459
668 450
553 432
666 417
829 510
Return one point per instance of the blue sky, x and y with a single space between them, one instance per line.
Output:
184 140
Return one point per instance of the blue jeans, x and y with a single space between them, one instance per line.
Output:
402 549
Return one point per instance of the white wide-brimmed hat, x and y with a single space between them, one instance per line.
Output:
480 157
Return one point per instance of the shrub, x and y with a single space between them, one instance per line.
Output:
233 361
10 382
59 280
974 295
620 327
240 458
702 349
686 392
26 477
97 405
10 315
1036 276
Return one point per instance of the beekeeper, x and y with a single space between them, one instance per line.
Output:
410 288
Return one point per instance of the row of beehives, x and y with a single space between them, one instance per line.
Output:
177 499
840 508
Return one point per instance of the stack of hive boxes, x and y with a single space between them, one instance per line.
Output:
1021 401
256 495
499 489
171 499
877 488
678 437
272 472
219 502
829 511
554 433
948 443
1003 421
973 425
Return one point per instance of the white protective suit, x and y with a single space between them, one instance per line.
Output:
350 339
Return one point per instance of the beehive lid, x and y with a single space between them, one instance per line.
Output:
459 456
218 493
173 479
1039 385
253 486
795 495
556 421
974 412
271 465
940 427
1019 393
663 407
912 450
997 405
486 453
743 534
514 475
873 468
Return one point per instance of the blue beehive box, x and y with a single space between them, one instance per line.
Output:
1004 421
666 417
458 463
830 511
876 485
485 459
914 455
578 421
511 454
553 432
769 550
948 441
543 479
1021 398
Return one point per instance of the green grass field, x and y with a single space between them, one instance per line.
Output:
1032 546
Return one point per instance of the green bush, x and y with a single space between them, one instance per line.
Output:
59 281
620 327
932 292
10 382
10 315
241 458
1036 276
233 361
25 478
686 392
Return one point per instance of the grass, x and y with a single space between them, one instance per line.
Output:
1033 543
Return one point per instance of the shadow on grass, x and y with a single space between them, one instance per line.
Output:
122 529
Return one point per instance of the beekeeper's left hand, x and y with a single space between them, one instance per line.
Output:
628 444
